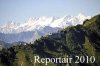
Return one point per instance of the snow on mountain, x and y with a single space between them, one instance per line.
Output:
37 27
39 23
8 28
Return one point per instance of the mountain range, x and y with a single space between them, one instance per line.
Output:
80 40
34 28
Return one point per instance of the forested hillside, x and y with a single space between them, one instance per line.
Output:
79 40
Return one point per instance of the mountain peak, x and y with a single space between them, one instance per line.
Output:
80 14
33 23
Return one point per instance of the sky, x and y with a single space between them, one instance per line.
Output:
22 10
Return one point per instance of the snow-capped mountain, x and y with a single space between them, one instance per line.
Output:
34 24
37 27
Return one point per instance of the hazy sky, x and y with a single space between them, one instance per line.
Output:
21 10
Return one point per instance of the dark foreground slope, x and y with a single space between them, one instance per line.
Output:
80 40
